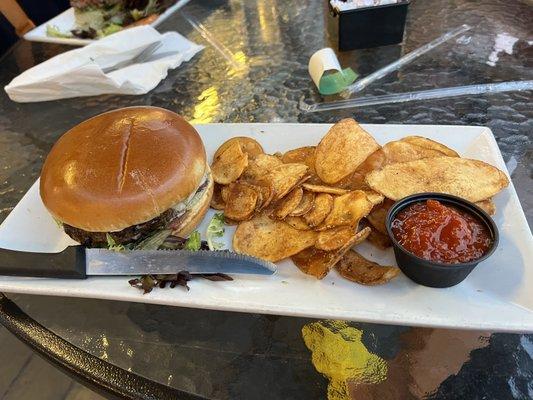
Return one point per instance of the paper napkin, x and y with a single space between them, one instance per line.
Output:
80 72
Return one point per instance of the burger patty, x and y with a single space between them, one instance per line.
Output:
134 233
130 234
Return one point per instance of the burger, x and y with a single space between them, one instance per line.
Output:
99 18
126 175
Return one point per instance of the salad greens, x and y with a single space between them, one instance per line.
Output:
154 241
215 230
112 245
53 31
109 29
147 283
194 242
151 8
96 20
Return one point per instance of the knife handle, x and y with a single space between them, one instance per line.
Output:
68 264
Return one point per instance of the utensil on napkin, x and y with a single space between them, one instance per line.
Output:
107 66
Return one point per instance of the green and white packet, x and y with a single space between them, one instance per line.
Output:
327 73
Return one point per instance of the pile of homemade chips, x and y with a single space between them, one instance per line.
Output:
314 204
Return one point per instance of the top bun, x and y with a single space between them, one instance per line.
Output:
122 168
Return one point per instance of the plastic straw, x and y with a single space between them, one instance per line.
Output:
380 73
223 50
431 94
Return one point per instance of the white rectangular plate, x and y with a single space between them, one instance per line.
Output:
497 295
66 22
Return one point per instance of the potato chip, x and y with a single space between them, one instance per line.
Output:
488 206
374 197
347 209
379 239
377 219
285 177
229 221
324 189
400 151
342 150
308 199
378 216
260 166
265 195
318 263
224 191
229 165
241 202
375 237
297 223
301 155
376 160
249 146
259 196
356 180
217 202
270 240
356 268
334 238
288 203
472 180
321 208
430 144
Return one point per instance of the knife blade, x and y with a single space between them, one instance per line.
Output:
77 262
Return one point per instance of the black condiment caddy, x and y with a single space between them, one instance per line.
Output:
367 27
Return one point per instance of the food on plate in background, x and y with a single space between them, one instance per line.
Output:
98 18
128 177
313 203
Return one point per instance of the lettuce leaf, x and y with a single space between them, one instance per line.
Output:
215 230
151 8
53 31
194 242
112 245
109 29
153 241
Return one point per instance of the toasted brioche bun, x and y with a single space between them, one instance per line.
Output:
122 168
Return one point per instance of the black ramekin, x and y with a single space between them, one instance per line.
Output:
435 274
369 26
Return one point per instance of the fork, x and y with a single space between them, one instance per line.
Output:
139 58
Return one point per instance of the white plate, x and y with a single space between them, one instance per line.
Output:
497 295
66 22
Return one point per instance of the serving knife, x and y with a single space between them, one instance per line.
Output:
78 262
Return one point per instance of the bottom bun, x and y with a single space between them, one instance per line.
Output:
195 215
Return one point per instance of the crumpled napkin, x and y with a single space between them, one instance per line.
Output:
79 72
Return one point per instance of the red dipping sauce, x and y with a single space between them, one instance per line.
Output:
441 233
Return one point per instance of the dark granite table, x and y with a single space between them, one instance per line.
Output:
229 355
